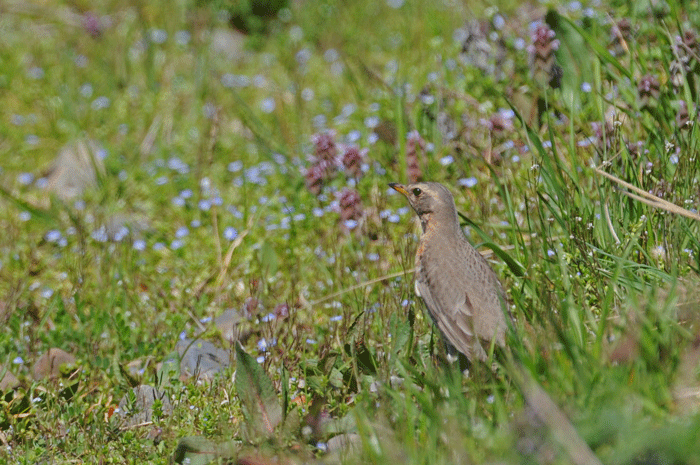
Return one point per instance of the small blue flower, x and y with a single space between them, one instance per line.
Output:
336 318
35 72
447 160
176 244
182 232
25 216
86 90
230 233
158 246
100 103
18 360
100 235
204 205
158 36
178 201
235 166
25 178
307 94
186 193
371 122
468 182
139 244
53 236
310 341
267 105
182 38
195 223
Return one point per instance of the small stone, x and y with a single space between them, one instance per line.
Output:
139 409
75 169
342 446
227 323
228 43
201 359
8 381
50 363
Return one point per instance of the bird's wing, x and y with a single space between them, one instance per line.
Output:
450 310
485 294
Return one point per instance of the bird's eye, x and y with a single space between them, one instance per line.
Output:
417 191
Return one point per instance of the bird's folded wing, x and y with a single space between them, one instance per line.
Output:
452 316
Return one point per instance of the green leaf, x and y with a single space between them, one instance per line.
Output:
196 450
574 59
603 54
268 259
400 332
259 401
515 266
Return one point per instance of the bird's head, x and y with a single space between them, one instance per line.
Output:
428 199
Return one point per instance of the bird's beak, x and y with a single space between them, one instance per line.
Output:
399 188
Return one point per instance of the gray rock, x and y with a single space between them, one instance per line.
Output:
227 323
75 169
201 359
228 43
341 447
138 409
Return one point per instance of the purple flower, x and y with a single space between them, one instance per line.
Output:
350 205
314 179
92 24
324 146
352 160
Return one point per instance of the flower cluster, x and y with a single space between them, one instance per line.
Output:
686 47
620 35
329 158
649 89
542 56
415 145
350 205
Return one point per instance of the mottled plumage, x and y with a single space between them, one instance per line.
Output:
461 291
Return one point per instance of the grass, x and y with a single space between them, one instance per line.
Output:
206 163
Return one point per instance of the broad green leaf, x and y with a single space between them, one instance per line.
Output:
268 259
196 450
259 401
400 332
515 266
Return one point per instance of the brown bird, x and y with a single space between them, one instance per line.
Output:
463 295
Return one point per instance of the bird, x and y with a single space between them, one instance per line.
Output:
462 293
